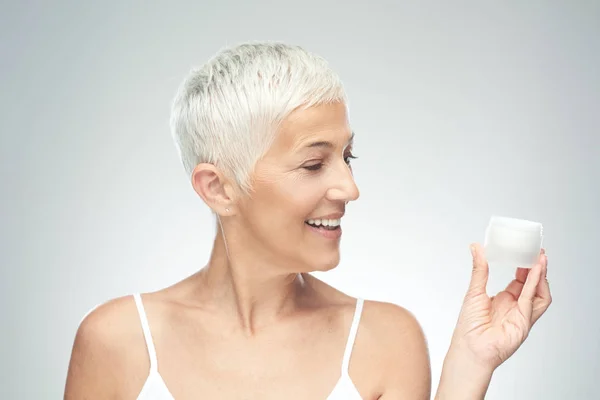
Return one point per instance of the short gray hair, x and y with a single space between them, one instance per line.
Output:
227 111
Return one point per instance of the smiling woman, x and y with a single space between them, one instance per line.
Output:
263 133
304 175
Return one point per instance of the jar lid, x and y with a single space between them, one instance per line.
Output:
514 223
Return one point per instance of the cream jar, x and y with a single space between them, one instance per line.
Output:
513 242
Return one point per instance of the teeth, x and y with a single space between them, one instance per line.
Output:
324 222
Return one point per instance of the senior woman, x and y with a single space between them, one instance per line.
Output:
263 132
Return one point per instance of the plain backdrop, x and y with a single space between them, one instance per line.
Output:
462 110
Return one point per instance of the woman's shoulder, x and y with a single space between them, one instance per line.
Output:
379 317
395 345
112 333
389 318
108 351
385 323
115 318
390 347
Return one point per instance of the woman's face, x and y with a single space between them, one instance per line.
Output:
300 190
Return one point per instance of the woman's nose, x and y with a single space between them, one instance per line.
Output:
344 187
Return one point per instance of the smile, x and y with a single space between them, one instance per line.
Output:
329 224
325 228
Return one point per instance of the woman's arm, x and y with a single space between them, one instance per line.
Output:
491 329
406 366
400 349
89 375
462 378
488 332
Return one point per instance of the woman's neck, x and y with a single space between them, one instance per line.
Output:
253 290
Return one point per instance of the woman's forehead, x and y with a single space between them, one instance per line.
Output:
320 126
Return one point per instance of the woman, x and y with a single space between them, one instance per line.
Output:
263 132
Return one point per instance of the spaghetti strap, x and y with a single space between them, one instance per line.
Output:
147 333
352 335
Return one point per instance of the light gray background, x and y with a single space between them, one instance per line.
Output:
462 110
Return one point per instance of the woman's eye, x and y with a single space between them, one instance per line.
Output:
314 167
318 166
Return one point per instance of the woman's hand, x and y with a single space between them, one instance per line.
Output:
490 330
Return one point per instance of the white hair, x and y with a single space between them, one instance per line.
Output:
227 111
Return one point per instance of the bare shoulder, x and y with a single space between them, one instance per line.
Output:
108 343
398 349
390 359
391 322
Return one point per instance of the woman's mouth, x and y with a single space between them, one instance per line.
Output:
327 228
327 224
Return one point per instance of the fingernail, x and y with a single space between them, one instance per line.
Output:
472 251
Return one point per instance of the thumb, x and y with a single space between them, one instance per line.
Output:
480 274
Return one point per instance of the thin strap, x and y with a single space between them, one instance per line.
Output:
352 336
146 329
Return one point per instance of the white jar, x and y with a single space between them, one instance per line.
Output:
513 242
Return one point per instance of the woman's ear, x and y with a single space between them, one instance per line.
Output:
214 188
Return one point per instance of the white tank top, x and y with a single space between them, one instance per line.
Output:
155 388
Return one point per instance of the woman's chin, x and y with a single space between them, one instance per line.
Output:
326 264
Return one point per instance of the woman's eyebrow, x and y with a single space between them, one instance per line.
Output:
327 144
